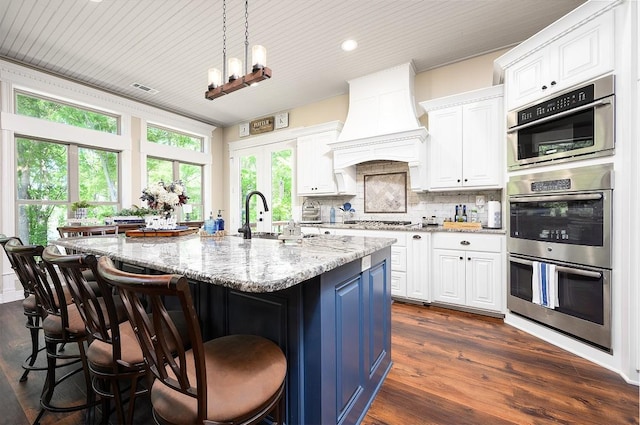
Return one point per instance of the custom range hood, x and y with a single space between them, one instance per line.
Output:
382 124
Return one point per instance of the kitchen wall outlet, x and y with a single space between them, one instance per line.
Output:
480 203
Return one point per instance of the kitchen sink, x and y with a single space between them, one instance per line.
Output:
269 235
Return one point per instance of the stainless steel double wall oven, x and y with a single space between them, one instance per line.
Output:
564 218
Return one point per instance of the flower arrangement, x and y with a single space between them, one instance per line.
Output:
163 197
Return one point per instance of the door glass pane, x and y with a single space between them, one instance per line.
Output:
191 176
281 170
98 180
248 182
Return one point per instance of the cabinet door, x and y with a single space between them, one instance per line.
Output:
445 147
526 78
315 166
584 53
482 146
418 267
448 276
483 280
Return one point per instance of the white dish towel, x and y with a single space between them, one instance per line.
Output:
544 284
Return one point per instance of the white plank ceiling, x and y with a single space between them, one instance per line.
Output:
168 45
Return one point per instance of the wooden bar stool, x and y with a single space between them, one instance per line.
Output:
32 311
61 324
113 354
235 379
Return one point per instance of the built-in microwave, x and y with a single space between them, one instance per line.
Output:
573 124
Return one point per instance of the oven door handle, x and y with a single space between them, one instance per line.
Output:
555 198
564 269
597 103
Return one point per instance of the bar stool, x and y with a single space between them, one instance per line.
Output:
235 379
113 354
62 324
31 310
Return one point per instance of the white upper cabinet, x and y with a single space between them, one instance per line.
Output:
314 165
466 140
575 57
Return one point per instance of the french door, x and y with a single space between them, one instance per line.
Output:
268 169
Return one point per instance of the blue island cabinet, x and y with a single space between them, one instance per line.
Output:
335 330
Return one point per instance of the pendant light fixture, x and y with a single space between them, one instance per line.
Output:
232 78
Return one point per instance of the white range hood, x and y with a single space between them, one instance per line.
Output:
382 124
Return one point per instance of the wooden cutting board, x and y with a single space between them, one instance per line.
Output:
160 233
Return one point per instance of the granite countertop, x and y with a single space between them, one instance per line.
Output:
251 265
404 228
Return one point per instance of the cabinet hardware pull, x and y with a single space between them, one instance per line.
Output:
465 243
461 258
417 237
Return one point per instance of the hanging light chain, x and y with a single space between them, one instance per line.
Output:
224 41
246 37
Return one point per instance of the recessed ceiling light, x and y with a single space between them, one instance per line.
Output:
96 1
349 45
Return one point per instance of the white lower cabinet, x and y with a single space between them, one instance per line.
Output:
467 270
418 255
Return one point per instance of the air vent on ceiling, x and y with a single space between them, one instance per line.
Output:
144 88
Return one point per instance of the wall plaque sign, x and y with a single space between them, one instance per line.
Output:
262 125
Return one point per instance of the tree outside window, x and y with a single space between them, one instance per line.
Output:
191 176
167 137
50 176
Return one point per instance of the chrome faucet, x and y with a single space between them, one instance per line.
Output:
246 229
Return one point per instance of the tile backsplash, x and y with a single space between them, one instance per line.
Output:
419 204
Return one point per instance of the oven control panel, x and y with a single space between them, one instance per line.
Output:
551 185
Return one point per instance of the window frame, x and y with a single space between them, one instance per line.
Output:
72 173
18 91
180 132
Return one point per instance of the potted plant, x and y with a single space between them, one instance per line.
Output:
80 208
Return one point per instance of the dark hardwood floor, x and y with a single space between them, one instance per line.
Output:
449 368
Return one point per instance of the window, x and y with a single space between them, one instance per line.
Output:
60 112
167 137
191 176
50 176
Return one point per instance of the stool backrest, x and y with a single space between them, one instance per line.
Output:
12 261
99 313
164 349
50 297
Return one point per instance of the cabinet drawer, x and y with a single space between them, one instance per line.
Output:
468 242
398 283
398 258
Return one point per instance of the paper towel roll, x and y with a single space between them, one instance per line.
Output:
494 215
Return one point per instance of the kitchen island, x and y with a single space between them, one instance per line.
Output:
325 301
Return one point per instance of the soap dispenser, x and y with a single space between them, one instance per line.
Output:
210 224
220 221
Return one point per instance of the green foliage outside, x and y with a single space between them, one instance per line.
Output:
190 174
66 114
281 172
172 138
